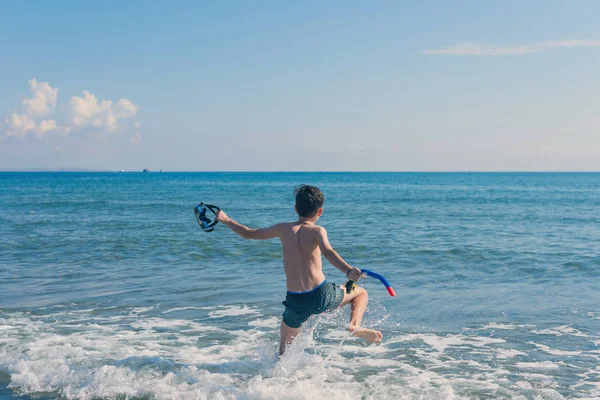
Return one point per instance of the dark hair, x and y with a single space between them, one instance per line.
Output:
308 200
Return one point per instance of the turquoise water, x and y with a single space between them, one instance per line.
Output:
109 289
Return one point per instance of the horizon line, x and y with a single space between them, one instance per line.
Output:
67 170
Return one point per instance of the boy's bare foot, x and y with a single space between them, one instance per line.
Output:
368 334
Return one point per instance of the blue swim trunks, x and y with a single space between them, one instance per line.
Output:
300 306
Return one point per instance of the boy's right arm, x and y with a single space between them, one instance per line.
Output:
335 259
248 233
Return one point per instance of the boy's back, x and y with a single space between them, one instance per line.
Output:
301 256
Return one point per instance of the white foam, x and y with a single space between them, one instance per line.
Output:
538 365
591 382
179 324
140 310
272 322
232 311
560 331
138 355
508 353
381 362
555 352
494 325
470 363
524 385
336 334
534 376
472 384
440 343
182 309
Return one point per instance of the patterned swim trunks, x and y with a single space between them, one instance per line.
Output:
300 306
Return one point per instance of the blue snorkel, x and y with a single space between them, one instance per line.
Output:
350 284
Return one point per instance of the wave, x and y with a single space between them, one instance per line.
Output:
229 352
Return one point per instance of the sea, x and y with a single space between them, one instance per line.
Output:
109 289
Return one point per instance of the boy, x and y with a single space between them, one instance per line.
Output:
309 293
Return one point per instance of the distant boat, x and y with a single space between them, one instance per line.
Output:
146 170
161 170
121 170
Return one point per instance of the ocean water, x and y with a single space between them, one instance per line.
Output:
109 289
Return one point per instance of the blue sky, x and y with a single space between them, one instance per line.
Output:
293 86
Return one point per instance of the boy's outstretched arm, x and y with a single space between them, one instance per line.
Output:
248 233
335 259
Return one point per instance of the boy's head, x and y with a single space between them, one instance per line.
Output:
309 201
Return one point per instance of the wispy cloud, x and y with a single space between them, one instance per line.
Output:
136 139
483 49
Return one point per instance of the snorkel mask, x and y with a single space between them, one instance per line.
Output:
206 223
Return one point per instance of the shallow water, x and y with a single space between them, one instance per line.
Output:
109 289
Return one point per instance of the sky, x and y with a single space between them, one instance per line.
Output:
300 86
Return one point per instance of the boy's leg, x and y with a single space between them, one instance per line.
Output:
358 299
287 336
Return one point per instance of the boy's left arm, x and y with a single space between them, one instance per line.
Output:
248 233
334 258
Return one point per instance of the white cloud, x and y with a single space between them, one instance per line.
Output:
87 110
19 125
137 124
45 126
43 99
125 109
84 108
41 104
136 139
482 49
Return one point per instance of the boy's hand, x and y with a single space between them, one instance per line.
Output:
222 217
354 274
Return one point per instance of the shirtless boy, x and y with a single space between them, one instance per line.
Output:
308 292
